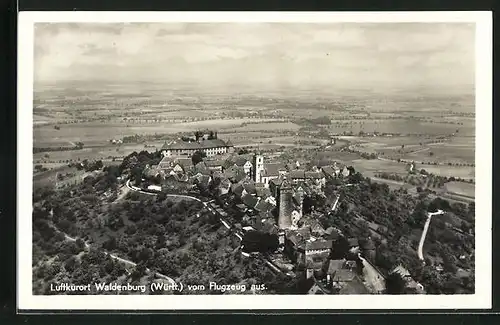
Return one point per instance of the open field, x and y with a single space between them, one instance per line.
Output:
371 167
461 188
117 111
401 126
94 133
97 152
266 127
450 171
393 184
456 150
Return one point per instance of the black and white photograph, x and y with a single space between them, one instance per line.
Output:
335 159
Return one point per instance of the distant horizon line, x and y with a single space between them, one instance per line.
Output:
256 86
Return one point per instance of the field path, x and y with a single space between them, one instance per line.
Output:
419 150
424 233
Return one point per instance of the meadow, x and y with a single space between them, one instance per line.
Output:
460 188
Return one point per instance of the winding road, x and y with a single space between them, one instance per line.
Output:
188 197
205 204
424 233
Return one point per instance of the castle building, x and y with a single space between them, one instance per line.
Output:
210 147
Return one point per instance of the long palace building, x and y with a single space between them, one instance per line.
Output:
211 146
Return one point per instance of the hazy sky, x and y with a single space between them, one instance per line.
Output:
346 55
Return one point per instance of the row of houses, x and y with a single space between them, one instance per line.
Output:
258 171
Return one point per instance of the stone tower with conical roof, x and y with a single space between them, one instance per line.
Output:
285 195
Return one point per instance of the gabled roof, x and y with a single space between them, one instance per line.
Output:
297 198
249 200
202 168
228 163
273 169
305 232
203 179
172 177
295 238
241 161
268 227
214 163
195 145
343 275
225 184
353 242
235 173
318 244
335 265
250 188
263 206
184 162
239 174
237 189
276 181
328 171
240 206
166 162
223 189
218 174
262 191
213 143
332 233
317 228
298 174
314 265
181 145
314 175
150 172
201 165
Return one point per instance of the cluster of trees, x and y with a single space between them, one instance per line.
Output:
87 165
198 157
423 178
141 138
77 146
368 156
40 168
163 235
256 241
322 120
398 215
135 163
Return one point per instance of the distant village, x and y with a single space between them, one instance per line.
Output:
268 197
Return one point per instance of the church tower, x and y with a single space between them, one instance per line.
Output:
258 167
285 205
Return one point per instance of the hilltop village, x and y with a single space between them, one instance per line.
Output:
270 206
200 209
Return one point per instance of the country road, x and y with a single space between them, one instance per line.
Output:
136 189
373 277
424 233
